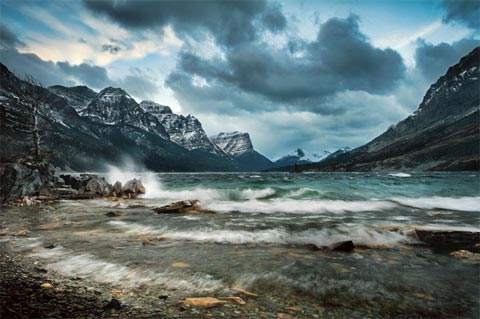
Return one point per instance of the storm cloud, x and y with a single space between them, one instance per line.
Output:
229 22
434 60
340 58
463 11
8 39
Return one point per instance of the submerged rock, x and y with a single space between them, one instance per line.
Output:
346 246
449 240
466 254
206 302
183 207
114 304
245 292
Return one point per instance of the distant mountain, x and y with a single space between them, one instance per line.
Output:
186 131
239 146
337 152
299 157
443 134
77 96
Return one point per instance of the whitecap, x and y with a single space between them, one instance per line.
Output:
400 175
298 206
466 204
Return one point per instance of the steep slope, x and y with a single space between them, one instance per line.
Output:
186 131
83 144
443 134
113 106
239 146
77 96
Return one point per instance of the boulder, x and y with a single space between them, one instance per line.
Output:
345 246
183 207
18 180
466 254
132 188
449 240
97 186
117 189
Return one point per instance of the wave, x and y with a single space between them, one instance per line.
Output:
466 204
400 175
360 235
67 263
298 206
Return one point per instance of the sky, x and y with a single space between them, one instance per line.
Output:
316 75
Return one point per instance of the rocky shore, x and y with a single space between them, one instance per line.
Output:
29 182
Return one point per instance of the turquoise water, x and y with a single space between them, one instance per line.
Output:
257 240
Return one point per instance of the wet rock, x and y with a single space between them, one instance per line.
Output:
50 246
97 186
18 180
206 302
132 188
21 232
449 240
46 285
345 246
180 265
466 254
312 247
113 304
183 207
236 300
148 243
113 214
294 309
117 189
163 297
244 292
282 315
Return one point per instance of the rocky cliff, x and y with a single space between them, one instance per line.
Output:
442 134
240 147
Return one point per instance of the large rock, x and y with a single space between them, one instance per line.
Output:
449 240
183 207
88 185
132 188
18 180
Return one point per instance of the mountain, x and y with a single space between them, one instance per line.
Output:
442 134
240 147
299 157
114 106
109 128
77 96
186 131
337 152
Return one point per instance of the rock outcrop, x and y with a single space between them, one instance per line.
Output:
183 207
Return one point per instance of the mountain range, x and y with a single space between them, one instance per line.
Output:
83 130
442 134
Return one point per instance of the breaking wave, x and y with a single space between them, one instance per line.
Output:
466 204
360 235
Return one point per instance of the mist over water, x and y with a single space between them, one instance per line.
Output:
257 238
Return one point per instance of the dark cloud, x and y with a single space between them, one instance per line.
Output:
8 39
87 74
64 73
230 22
300 76
463 11
273 18
111 48
434 60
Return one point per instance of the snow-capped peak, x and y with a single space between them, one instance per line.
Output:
233 143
